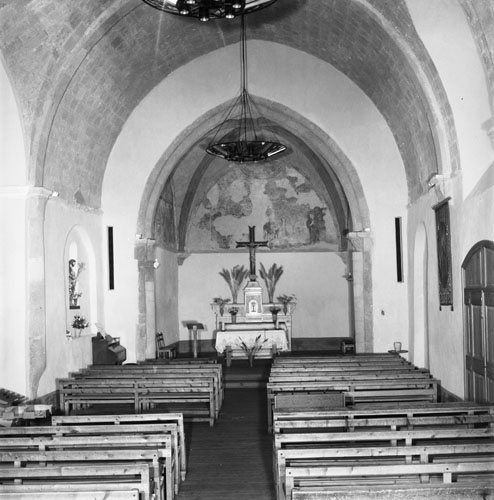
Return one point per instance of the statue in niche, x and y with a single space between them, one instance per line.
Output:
75 269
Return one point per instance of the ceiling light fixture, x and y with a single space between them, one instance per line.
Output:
204 10
244 143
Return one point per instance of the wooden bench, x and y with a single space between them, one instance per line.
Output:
132 419
109 480
152 458
348 478
164 371
115 439
190 396
405 416
376 449
358 391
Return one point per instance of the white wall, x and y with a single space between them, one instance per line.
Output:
66 224
13 177
13 357
444 30
331 101
316 278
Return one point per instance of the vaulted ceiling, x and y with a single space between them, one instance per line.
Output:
80 69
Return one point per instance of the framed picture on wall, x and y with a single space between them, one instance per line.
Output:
444 266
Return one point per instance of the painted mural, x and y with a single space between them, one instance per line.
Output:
285 208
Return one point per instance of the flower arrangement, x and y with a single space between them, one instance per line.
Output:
234 279
285 300
274 310
253 349
79 322
221 303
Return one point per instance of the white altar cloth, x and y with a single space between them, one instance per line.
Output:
234 339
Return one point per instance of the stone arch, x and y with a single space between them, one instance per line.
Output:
328 154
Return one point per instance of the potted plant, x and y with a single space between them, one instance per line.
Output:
271 278
221 304
234 279
252 350
78 324
233 313
285 300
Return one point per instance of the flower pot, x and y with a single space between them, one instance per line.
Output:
234 318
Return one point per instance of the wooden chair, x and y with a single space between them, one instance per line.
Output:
161 350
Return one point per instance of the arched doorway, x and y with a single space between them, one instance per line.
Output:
478 284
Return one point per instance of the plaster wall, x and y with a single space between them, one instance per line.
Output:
67 225
167 296
12 154
316 278
446 335
330 100
13 354
444 30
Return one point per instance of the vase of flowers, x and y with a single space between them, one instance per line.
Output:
252 350
234 279
78 324
285 300
221 304
274 312
233 313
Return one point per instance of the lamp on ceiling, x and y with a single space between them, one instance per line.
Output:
244 143
204 10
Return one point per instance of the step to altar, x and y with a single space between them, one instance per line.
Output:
240 375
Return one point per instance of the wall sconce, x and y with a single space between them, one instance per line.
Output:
156 263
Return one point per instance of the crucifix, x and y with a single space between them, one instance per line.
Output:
252 244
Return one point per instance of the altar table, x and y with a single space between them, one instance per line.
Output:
268 338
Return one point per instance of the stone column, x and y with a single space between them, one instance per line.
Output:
146 328
35 287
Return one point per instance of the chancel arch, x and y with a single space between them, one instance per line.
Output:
319 164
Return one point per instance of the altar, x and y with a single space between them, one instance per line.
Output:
252 329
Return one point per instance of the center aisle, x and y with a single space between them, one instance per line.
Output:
233 459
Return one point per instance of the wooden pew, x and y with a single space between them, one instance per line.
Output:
72 480
132 419
348 478
114 442
358 391
195 399
26 493
150 371
375 456
406 416
152 458
379 448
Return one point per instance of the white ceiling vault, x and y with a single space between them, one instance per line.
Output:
82 68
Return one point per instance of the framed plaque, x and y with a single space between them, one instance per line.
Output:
444 266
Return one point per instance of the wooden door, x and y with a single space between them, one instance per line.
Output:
478 269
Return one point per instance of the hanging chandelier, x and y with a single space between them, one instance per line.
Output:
244 142
204 10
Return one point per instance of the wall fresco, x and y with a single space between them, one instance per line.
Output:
285 208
